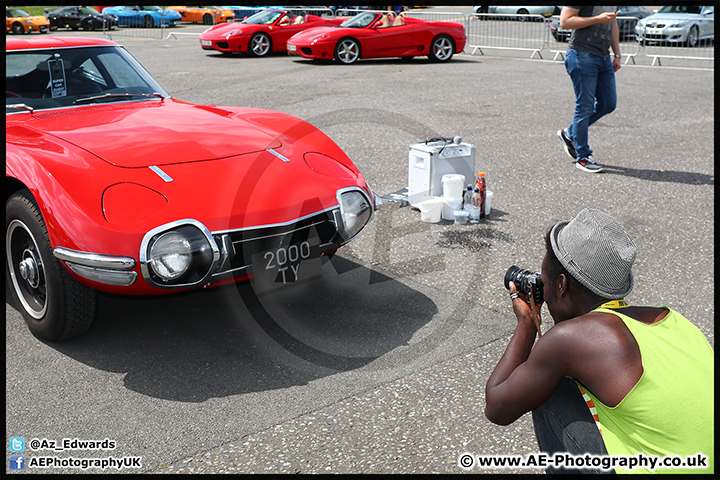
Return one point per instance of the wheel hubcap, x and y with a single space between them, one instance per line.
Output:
348 52
442 48
26 269
260 45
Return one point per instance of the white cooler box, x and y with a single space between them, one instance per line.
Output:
428 163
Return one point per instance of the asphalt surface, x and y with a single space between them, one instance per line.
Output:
378 366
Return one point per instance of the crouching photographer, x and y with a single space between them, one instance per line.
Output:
608 378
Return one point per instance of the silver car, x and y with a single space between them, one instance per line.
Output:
545 11
678 25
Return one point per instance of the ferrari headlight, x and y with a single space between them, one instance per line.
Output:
355 212
180 254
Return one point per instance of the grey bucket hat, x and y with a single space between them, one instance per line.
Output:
597 251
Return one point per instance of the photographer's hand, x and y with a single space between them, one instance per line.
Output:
522 309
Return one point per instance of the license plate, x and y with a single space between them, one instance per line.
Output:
286 265
291 48
206 43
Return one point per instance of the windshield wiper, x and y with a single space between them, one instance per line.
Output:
119 95
21 106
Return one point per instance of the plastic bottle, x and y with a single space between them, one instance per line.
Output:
467 198
482 190
475 206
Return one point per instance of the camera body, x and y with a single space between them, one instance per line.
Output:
523 280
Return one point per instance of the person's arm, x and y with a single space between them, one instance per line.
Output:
569 19
525 376
615 45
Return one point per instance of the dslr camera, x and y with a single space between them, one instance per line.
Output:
523 280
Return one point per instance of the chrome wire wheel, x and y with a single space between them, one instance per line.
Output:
347 51
27 271
260 45
441 49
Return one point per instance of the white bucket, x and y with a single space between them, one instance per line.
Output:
449 206
453 187
488 202
431 209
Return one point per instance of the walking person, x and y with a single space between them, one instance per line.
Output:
609 380
592 70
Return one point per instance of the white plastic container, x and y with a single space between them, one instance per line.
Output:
461 216
431 209
488 201
453 185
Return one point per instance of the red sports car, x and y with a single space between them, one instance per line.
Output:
113 185
266 31
374 35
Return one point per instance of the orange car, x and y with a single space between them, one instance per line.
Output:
204 15
18 21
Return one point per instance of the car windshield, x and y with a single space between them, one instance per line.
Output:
264 17
63 77
680 9
89 11
361 20
14 12
151 8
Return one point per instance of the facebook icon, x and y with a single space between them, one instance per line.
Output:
17 462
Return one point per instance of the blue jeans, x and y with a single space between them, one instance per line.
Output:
593 80
564 424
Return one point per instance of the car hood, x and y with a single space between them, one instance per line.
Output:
309 34
141 134
223 29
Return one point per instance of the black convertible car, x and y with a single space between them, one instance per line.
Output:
75 17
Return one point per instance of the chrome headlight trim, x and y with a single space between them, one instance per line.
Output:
205 271
344 214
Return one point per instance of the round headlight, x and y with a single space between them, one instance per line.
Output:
356 211
179 254
170 256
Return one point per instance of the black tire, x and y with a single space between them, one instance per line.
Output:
88 25
54 305
17 28
523 11
148 21
260 45
347 51
442 48
207 19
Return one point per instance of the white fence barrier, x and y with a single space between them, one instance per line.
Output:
678 38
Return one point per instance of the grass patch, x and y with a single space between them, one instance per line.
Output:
35 10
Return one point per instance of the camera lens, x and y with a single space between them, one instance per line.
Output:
524 280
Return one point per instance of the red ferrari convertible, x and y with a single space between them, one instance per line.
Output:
266 31
113 185
374 35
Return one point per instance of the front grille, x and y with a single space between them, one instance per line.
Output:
319 229
306 50
223 45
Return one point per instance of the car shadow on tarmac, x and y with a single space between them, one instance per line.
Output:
228 340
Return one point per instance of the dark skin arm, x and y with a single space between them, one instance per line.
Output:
595 348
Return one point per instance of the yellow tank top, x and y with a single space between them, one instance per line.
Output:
670 411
